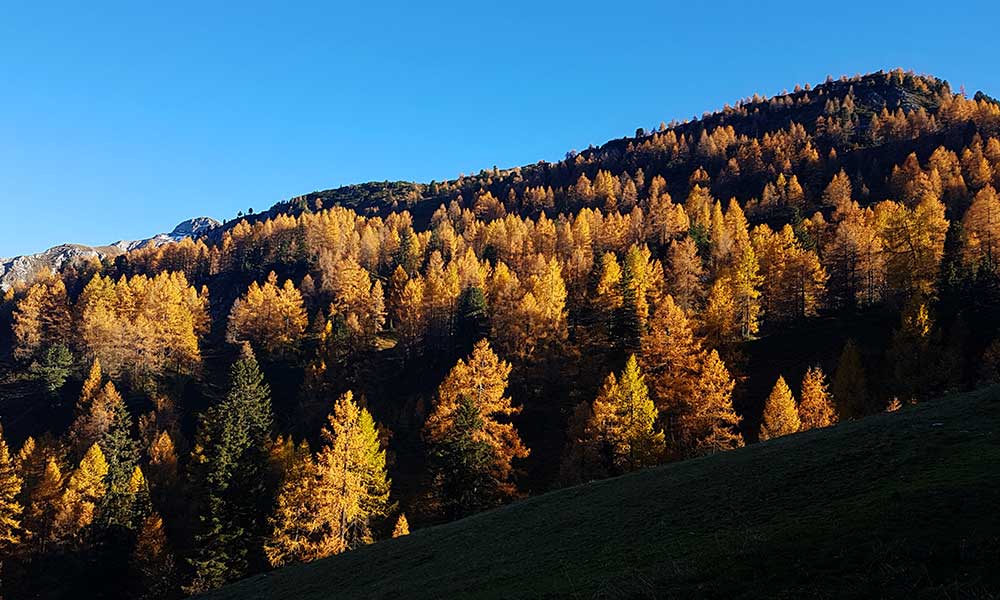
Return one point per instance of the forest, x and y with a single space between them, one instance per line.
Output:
354 363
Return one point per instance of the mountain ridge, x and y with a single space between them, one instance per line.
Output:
20 269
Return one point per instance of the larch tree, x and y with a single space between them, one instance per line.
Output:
402 526
734 307
411 322
837 193
77 508
913 242
142 327
685 273
270 316
352 482
12 531
780 414
95 413
623 422
711 423
745 281
356 299
471 443
154 572
606 299
671 358
43 503
327 504
981 225
42 318
296 533
540 326
162 465
815 406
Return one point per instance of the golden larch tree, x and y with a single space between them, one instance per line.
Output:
270 316
42 318
154 573
472 415
711 423
780 414
402 526
327 504
83 492
816 406
11 510
623 422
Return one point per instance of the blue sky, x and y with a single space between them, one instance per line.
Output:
118 120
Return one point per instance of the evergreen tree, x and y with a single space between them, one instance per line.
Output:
53 368
850 387
473 320
228 463
122 454
463 464
780 415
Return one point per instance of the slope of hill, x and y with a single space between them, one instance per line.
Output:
896 505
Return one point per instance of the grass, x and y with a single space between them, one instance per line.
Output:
898 505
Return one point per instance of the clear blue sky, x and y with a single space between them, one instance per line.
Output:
118 120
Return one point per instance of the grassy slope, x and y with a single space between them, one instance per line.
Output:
903 504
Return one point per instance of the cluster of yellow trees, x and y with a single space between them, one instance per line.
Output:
140 326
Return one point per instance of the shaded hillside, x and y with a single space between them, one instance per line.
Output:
901 505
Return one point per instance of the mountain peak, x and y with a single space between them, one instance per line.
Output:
195 226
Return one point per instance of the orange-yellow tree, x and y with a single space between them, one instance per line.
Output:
471 441
270 316
780 415
328 503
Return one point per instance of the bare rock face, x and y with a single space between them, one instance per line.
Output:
22 268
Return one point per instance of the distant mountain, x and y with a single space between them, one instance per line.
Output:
22 268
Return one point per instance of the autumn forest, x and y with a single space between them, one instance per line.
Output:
356 363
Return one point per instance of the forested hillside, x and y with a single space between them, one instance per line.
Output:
356 362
